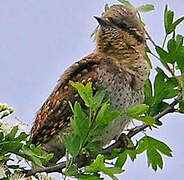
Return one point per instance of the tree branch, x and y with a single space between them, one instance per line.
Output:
57 168
169 109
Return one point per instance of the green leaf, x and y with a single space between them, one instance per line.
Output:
12 133
142 146
14 167
147 120
168 20
80 122
5 158
152 146
74 171
164 56
154 159
31 156
126 3
177 22
85 92
1 136
90 177
181 106
159 81
160 146
180 58
171 45
71 171
121 160
105 116
21 137
148 50
148 93
3 107
34 154
106 7
176 52
180 80
73 144
93 142
164 87
172 48
98 98
94 147
10 146
179 40
98 165
146 8
157 108
137 110
111 116
100 116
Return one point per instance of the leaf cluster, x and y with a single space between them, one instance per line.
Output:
167 85
16 142
88 124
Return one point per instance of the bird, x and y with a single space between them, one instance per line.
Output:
117 64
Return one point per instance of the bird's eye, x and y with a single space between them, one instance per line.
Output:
119 23
123 25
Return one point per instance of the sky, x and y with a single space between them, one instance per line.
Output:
40 39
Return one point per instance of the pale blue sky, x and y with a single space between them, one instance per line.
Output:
40 39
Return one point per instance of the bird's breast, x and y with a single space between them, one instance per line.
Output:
122 96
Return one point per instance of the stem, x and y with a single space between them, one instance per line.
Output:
56 168
149 37
154 44
92 120
165 38
166 65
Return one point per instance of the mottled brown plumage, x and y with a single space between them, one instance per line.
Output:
117 64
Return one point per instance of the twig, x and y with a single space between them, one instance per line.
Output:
165 38
149 37
122 143
56 168
169 109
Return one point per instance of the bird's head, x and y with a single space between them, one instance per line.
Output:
119 30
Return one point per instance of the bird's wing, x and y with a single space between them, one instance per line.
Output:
55 112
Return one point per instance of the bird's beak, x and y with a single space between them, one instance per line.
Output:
101 21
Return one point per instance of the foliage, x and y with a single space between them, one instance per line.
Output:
92 121
14 141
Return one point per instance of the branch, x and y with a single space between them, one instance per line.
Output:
169 109
56 168
122 143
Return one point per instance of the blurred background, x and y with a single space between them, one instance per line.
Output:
40 39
